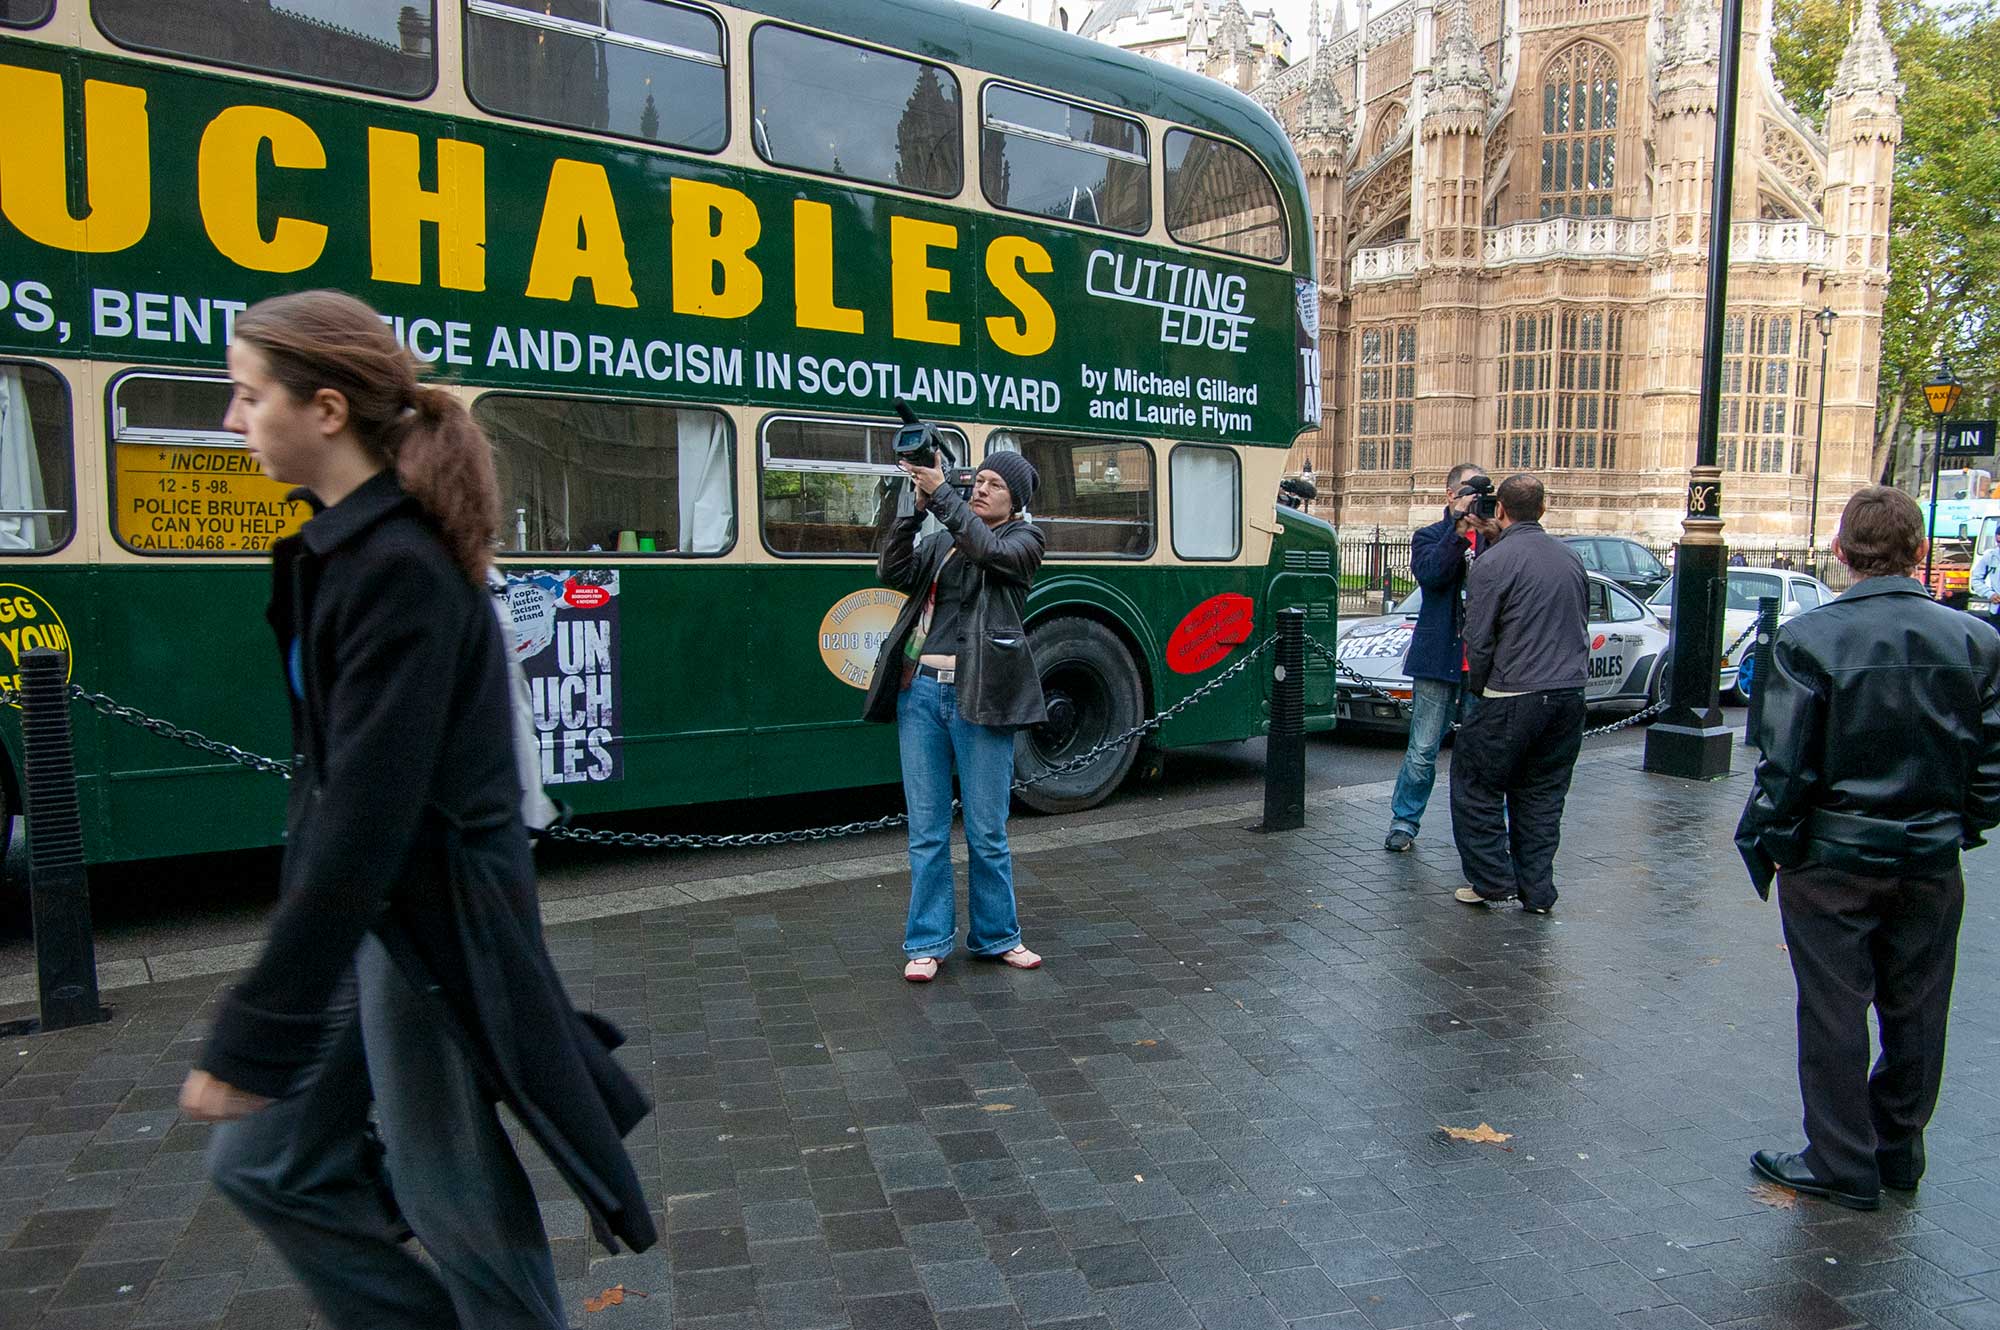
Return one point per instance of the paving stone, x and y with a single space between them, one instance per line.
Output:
1217 1105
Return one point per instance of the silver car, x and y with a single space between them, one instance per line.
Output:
1627 643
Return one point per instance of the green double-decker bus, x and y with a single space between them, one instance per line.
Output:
681 259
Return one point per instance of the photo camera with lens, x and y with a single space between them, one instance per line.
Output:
920 443
1487 504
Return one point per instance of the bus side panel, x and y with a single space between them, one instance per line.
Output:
191 648
813 631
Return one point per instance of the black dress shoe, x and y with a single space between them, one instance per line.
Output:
1791 1170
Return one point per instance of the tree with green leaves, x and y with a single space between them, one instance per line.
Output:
1944 238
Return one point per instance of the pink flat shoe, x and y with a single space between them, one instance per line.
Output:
1020 958
923 969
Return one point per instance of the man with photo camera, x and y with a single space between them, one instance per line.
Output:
1527 650
1435 661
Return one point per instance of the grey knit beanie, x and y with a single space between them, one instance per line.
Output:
1018 473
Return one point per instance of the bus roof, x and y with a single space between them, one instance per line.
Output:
967 34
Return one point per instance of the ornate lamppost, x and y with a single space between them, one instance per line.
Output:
1691 739
1941 393
1824 319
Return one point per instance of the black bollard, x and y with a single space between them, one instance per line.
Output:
1760 675
1285 749
65 951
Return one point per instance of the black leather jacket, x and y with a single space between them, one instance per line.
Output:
1882 736
998 683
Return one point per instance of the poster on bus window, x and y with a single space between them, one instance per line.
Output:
566 638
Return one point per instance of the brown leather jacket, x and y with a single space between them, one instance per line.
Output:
998 683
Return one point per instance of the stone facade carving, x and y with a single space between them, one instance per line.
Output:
1480 242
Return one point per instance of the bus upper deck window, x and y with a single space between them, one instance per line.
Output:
37 497
25 13
1052 158
640 69
845 110
1220 197
374 45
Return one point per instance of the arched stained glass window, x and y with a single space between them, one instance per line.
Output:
1579 132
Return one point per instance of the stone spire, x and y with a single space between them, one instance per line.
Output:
1312 27
1322 112
1868 65
1459 62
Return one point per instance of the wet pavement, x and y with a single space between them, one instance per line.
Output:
1220 1105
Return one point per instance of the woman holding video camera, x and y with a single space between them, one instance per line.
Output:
956 676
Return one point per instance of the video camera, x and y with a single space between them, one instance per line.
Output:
920 443
1487 504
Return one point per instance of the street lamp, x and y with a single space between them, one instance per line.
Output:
1824 319
1941 392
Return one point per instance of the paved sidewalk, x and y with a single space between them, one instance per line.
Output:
1218 1106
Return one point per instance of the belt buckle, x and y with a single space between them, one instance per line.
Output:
941 675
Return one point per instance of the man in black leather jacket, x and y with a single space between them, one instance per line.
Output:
1881 762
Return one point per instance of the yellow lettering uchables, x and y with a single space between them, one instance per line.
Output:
579 202
118 170
912 280
1034 331
714 228
399 205
226 177
812 271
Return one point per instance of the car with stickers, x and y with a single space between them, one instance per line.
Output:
1795 591
1627 645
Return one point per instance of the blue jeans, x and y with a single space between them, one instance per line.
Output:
934 739
304 1173
1433 707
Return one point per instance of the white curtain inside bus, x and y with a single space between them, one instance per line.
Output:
21 493
1206 505
708 518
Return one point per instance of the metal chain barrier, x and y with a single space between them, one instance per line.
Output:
115 710
657 841
1376 690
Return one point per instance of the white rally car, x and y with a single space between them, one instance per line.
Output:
1795 591
1627 643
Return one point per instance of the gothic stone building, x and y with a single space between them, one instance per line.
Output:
1511 203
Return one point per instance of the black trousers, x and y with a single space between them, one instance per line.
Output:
1510 777
1855 941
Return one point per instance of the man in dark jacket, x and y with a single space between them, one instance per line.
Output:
1881 762
1527 648
1435 661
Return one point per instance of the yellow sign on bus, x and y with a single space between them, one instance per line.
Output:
208 499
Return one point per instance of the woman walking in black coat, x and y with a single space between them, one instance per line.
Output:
405 965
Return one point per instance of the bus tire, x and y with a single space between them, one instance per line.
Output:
1094 692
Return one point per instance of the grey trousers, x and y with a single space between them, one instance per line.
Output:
305 1171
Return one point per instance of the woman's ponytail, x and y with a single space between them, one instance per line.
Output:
445 463
327 339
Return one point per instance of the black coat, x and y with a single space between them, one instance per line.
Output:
998 683
1881 736
404 822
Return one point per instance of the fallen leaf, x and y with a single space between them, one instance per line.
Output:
1711 960
995 1108
610 1297
1482 1134
1146 1043
1771 1194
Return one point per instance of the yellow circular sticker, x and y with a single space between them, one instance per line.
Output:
27 621
852 632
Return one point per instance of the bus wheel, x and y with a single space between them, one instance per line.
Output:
1093 693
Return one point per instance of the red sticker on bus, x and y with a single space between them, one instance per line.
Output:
1597 643
1203 639
585 597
